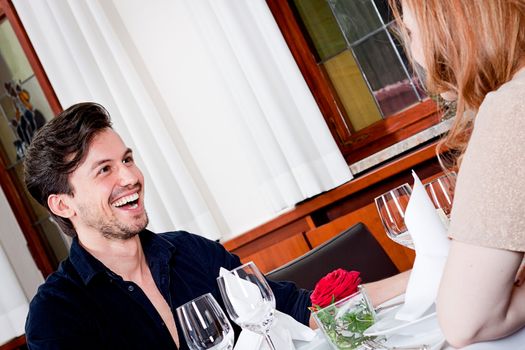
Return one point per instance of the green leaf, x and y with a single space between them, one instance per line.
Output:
346 331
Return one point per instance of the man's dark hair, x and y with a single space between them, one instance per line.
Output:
57 149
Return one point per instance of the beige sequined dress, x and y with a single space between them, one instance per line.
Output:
489 203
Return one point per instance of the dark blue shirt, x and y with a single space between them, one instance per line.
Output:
84 305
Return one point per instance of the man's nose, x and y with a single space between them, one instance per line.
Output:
127 175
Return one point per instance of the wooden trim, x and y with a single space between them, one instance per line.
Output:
395 122
269 257
10 11
293 228
14 344
387 132
21 209
306 208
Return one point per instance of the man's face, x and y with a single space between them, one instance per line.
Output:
108 190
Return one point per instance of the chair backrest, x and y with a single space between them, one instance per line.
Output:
353 249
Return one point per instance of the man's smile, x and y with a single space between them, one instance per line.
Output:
129 201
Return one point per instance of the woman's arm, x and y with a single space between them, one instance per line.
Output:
520 276
385 289
478 299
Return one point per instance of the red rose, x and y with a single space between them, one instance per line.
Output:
335 286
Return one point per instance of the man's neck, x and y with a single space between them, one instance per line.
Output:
124 257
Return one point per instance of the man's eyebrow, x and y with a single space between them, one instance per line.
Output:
98 163
102 161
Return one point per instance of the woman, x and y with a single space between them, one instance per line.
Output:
474 51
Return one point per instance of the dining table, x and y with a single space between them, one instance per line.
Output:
515 341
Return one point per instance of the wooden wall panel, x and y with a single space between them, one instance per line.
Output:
278 254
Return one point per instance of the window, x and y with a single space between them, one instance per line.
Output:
357 72
26 103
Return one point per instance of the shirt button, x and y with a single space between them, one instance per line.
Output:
131 288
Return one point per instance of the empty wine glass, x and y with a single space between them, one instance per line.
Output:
204 324
441 192
391 207
248 299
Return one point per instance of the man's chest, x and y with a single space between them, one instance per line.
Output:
123 317
132 316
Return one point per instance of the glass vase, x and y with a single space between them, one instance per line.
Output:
343 322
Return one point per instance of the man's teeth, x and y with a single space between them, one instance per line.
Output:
124 200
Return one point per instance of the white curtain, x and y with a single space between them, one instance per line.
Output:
207 94
19 276
13 302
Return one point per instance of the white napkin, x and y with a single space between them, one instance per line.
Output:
242 293
284 328
429 235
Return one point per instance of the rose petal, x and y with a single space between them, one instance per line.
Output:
337 285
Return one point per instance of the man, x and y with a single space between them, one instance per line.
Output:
121 283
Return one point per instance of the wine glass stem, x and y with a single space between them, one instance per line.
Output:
269 340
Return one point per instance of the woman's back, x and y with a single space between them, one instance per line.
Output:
489 205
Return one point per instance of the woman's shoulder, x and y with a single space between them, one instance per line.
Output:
488 203
507 98
503 111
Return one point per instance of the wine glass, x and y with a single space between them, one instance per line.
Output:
391 207
441 192
204 324
248 299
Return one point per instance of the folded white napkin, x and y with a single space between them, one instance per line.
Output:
244 295
284 328
429 235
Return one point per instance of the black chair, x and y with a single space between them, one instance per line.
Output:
353 249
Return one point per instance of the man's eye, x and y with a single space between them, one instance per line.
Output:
127 160
104 169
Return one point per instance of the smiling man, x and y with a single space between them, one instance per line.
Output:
121 283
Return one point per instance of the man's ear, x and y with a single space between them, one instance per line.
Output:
59 205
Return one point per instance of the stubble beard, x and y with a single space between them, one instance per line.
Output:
112 228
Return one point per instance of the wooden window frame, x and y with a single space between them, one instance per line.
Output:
37 244
353 145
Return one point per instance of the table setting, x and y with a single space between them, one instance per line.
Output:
417 217
250 303
413 219
414 216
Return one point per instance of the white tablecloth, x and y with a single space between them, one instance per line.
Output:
319 343
515 341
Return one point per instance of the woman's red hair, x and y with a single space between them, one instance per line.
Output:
470 48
